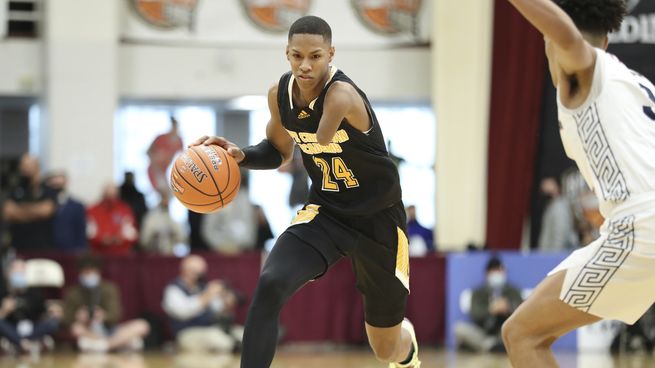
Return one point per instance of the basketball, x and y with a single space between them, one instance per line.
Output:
205 178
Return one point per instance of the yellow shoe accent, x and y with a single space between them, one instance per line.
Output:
414 363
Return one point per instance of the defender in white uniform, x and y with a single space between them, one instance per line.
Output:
607 124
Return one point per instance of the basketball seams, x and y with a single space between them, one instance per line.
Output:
220 195
190 184
194 188
198 200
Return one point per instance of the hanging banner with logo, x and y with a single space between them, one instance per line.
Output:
634 44
355 23
275 15
389 16
166 13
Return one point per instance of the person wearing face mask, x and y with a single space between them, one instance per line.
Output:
26 323
201 312
29 209
92 310
557 225
491 304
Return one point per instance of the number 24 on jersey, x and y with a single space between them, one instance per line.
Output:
340 171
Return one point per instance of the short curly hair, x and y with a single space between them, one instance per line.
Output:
595 16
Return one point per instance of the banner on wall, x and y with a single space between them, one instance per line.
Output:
248 23
634 43
166 13
389 16
275 15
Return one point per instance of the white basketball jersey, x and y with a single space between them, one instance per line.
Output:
612 135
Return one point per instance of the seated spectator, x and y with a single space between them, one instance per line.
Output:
233 229
201 312
70 219
491 304
421 239
92 310
639 336
557 225
29 209
26 323
264 232
135 199
111 227
160 233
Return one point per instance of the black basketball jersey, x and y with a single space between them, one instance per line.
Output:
353 175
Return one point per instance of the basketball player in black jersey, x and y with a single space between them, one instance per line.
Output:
354 209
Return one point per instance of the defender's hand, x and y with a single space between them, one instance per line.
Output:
231 148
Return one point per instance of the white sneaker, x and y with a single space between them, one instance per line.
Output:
91 345
414 362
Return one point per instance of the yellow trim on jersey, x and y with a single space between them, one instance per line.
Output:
306 215
333 71
402 258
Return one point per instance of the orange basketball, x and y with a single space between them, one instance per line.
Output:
205 178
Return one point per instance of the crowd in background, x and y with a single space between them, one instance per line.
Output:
40 214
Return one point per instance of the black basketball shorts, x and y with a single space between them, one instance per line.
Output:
377 247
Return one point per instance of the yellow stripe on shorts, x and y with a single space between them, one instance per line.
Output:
306 215
402 259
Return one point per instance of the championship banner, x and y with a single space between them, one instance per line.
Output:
256 23
634 44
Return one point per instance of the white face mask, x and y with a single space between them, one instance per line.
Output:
90 280
496 279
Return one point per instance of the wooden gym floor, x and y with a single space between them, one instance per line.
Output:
309 358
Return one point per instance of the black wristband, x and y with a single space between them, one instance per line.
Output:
261 156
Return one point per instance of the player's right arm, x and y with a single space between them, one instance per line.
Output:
271 153
572 53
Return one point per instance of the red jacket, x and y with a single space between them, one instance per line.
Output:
111 227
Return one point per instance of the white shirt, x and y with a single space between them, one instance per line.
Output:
611 136
180 305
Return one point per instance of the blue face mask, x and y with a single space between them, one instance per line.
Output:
18 280
90 280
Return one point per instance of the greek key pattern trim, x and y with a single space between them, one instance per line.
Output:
612 183
593 277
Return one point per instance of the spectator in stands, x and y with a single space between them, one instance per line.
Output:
111 227
196 239
421 239
92 310
639 336
201 312
26 323
234 228
161 153
69 229
160 233
491 304
29 210
135 199
299 192
264 232
557 225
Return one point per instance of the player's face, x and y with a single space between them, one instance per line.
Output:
310 56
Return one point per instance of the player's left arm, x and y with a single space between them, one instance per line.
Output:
340 101
573 53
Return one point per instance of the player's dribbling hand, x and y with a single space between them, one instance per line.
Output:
231 148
